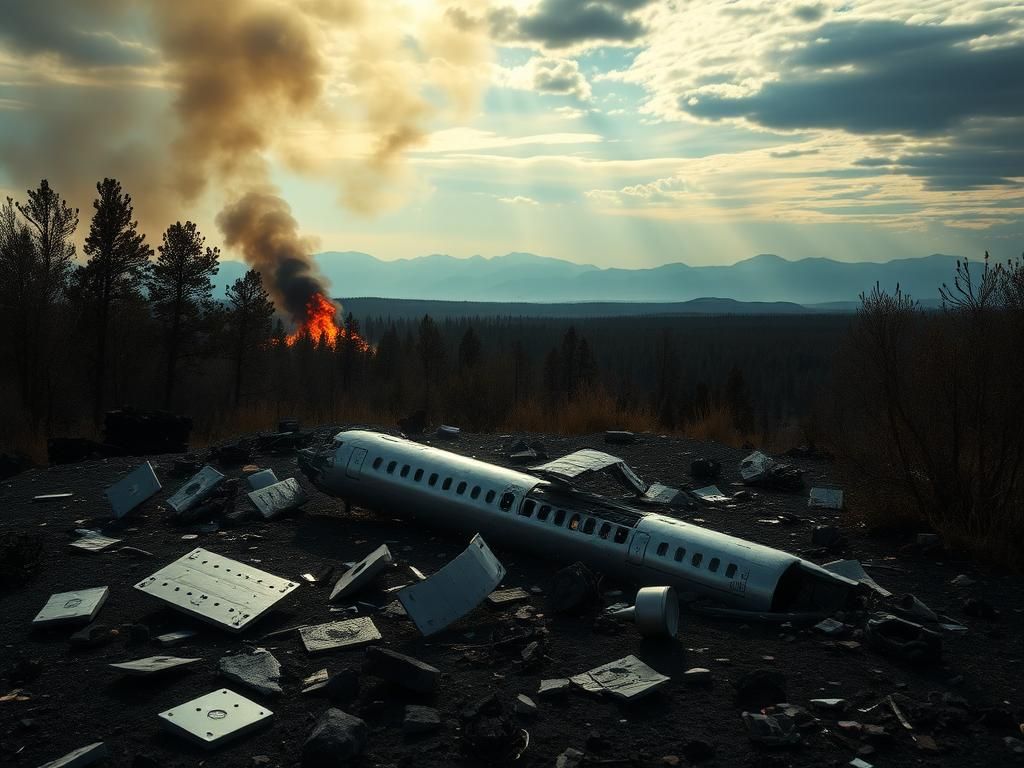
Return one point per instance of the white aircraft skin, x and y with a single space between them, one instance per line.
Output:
523 511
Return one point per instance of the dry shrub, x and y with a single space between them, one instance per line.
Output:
928 411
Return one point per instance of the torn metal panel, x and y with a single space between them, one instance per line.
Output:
660 494
710 495
755 467
195 489
455 590
349 633
79 606
582 462
92 541
507 596
261 479
627 678
220 591
81 757
215 718
852 569
825 498
363 572
280 497
134 488
152 665
52 496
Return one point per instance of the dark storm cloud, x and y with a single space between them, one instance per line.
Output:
985 153
905 79
809 12
562 23
69 31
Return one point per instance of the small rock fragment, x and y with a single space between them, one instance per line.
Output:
525 706
772 731
342 688
402 670
257 670
554 687
336 740
419 720
570 758
697 676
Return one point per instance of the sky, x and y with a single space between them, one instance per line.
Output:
620 133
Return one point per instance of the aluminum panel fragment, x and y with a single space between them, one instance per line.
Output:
151 665
220 591
349 633
852 569
81 757
79 606
710 495
280 497
92 541
363 572
627 678
134 488
261 479
215 718
825 498
657 493
755 467
455 590
195 489
588 460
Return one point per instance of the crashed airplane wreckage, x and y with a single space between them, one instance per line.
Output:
545 514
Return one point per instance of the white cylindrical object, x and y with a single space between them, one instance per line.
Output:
656 612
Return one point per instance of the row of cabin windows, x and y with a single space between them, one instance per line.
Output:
696 559
507 498
577 522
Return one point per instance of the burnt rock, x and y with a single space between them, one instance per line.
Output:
488 731
342 688
760 688
572 588
336 740
257 670
705 468
902 639
401 670
771 731
419 720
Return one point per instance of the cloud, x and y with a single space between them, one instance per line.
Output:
880 77
809 12
566 23
560 76
789 153
467 139
518 200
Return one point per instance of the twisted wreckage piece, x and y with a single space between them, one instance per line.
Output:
545 514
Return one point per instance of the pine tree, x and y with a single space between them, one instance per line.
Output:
118 262
181 290
469 349
249 316
430 348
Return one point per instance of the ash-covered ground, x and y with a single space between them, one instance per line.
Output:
962 709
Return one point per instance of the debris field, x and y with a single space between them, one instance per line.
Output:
330 670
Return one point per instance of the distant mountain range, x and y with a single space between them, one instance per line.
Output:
525 277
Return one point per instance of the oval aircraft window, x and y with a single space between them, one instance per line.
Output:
507 500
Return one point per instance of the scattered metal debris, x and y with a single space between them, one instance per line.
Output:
261 479
178 637
218 590
363 572
710 495
402 670
349 633
195 489
771 730
627 678
132 490
655 612
52 496
507 596
619 437
284 496
762 470
455 590
79 606
215 718
825 498
853 570
92 541
576 464
81 757
152 665
447 432
903 639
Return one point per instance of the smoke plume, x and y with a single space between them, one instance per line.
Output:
332 89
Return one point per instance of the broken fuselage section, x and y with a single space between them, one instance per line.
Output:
553 519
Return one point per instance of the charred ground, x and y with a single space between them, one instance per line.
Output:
78 698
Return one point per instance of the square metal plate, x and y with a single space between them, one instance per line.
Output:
152 665
455 590
279 497
363 572
195 489
825 498
349 633
626 678
80 606
133 489
218 590
92 541
215 718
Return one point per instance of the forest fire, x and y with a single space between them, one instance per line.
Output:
321 326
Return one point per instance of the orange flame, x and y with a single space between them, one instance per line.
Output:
320 325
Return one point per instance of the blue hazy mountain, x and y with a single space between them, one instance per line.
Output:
526 277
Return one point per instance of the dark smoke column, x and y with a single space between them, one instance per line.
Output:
262 226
